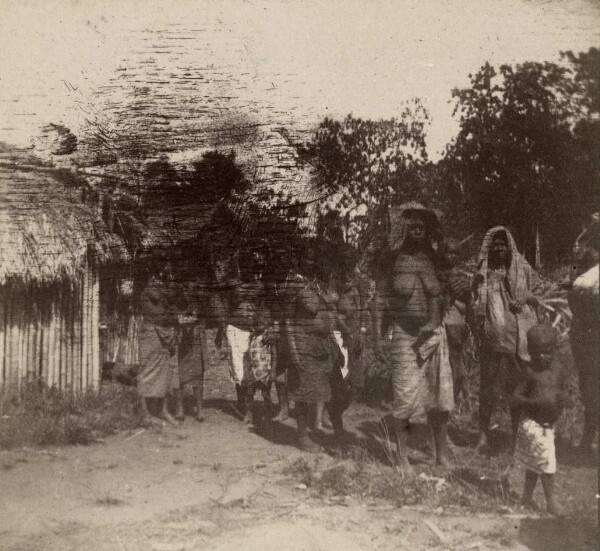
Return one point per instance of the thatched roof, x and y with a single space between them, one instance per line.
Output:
46 233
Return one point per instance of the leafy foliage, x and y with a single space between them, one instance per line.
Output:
524 155
363 164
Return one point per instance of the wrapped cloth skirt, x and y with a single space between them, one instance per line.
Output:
421 373
534 448
158 370
311 382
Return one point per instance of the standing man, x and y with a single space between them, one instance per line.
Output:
504 302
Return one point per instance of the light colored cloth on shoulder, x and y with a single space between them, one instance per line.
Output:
496 289
535 447
588 282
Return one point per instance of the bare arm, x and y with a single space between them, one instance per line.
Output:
378 308
518 398
289 333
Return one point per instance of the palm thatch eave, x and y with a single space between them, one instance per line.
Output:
47 234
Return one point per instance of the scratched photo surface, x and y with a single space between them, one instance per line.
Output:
299 275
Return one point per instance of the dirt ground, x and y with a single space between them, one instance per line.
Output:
222 485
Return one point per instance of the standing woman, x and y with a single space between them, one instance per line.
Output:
411 301
309 335
504 309
158 343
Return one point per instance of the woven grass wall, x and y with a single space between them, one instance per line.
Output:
51 334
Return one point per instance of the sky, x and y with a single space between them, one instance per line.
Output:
309 59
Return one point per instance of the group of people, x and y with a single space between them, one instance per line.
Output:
307 337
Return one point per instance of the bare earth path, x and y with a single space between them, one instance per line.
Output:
219 485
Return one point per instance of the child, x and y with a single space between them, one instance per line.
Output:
456 292
539 400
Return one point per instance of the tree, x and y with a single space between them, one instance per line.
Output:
513 156
362 165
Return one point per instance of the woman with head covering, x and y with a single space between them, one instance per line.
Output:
408 300
504 302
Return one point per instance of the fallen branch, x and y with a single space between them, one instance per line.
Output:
134 435
435 530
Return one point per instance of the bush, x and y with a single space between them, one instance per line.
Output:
37 415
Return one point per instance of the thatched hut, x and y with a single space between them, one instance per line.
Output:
51 247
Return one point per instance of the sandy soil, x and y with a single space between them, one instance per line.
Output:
221 485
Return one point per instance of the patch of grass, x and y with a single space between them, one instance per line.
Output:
41 416
477 487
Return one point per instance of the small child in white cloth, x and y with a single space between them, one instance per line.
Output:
540 399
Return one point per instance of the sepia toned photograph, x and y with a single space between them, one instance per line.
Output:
299 275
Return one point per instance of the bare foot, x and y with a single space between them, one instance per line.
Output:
554 508
199 418
404 465
282 416
530 504
151 421
166 416
307 445
443 461
407 469
248 418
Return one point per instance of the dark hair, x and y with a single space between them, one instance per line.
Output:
542 337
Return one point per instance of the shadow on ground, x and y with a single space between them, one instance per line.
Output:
578 531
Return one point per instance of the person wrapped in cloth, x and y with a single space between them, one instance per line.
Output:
504 303
158 341
314 375
408 298
249 337
539 399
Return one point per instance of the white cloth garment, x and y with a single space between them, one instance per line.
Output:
535 447
238 344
